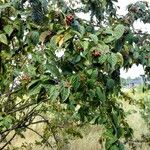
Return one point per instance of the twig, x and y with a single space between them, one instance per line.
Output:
26 106
21 107
139 141
40 121
40 136
142 33
8 142
21 123
53 132
4 136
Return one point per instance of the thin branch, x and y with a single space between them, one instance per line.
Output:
41 137
8 142
4 136
139 141
26 106
136 141
40 121
21 123
53 132
140 33
21 108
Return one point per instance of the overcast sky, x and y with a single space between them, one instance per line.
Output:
134 71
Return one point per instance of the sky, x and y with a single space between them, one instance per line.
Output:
134 71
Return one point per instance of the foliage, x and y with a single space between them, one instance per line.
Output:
38 86
146 111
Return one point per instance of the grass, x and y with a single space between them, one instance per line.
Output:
92 134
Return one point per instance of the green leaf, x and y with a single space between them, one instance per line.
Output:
121 146
100 94
3 6
53 70
110 139
94 74
94 120
94 38
77 33
85 45
91 83
135 55
31 70
117 34
119 31
77 58
82 30
89 72
103 47
65 93
67 36
3 39
8 29
102 59
34 37
7 122
32 84
75 82
108 30
91 93
53 43
114 147
51 54
110 83
112 60
120 59
53 92
109 39
34 90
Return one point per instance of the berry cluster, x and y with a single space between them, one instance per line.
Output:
96 53
26 78
134 9
69 19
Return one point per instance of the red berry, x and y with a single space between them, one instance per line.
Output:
96 53
69 19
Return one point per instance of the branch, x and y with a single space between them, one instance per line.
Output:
4 136
53 132
137 141
41 137
26 106
21 108
40 121
140 33
21 123
8 142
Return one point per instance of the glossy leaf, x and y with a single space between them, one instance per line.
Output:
3 39
8 29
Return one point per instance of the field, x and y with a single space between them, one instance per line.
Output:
92 134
